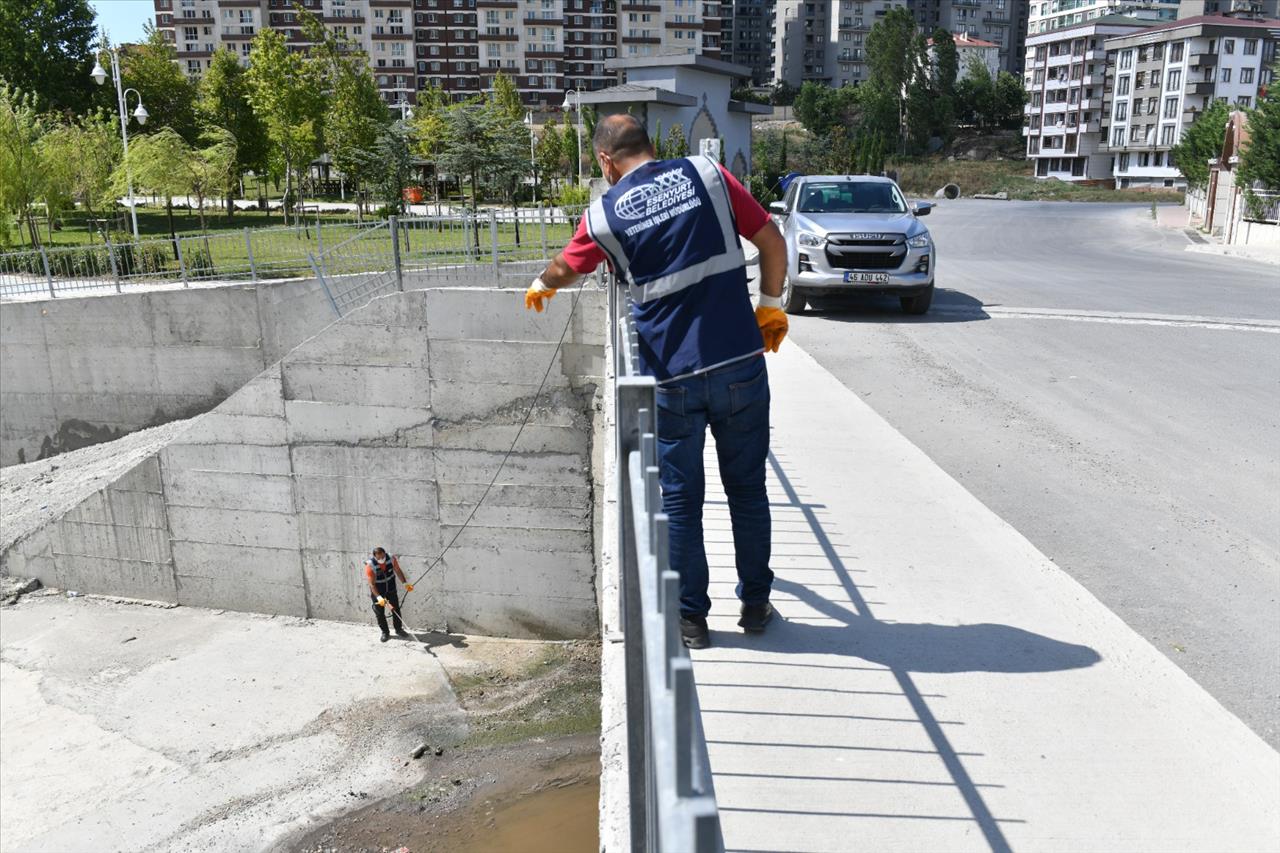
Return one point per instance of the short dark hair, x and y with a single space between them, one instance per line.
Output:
621 136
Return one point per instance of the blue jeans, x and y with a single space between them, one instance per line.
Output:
734 402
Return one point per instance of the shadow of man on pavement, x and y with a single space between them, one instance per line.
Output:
913 647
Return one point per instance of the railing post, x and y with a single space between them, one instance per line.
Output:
111 254
48 274
182 264
248 248
542 225
493 238
393 225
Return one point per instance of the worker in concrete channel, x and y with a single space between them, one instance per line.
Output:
381 571
670 231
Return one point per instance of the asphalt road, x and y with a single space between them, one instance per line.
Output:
1114 398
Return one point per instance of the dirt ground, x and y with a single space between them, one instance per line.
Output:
129 727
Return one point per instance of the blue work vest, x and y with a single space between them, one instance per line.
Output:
383 573
669 232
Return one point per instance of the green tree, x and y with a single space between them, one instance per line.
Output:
223 102
946 61
79 156
355 122
1200 143
46 46
820 108
894 59
783 94
21 172
388 165
549 154
287 93
428 129
167 93
506 98
467 143
1260 159
157 164
1010 97
676 146
976 95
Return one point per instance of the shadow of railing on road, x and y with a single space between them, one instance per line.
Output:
900 649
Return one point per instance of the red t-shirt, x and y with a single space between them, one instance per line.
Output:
583 255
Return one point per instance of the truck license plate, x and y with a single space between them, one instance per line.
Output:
867 277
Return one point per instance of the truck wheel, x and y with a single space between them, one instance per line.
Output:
918 304
792 302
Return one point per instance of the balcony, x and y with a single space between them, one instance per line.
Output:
546 19
1204 60
1201 87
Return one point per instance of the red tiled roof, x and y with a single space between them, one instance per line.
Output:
964 40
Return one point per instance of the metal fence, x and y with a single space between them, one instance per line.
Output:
672 800
494 244
254 254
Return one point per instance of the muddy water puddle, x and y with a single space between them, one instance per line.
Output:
553 820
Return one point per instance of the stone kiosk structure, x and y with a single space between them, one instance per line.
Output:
689 90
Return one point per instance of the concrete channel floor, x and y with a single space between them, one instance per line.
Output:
933 682
129 727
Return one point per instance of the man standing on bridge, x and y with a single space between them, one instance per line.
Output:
670 229
381 571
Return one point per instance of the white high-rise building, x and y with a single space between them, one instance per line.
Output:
1046 15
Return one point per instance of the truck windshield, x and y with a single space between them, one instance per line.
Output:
851 197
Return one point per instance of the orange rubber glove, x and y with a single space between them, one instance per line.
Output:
382 602
537 295
773 326
408 587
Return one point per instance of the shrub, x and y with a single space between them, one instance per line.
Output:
574 196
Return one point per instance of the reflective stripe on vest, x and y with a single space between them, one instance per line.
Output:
600 230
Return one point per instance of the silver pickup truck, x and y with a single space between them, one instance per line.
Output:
854 234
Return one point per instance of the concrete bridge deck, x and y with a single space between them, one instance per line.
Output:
934 682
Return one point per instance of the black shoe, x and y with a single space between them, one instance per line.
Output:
755 617
385 636
402 633
693 631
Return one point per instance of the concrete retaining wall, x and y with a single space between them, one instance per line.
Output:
383 429
82 370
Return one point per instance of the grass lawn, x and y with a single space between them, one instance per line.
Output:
923 178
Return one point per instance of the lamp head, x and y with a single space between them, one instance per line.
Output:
98 74
566 104
141 114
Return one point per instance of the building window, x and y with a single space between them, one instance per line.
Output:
1155 79
1226 75
1171 107
1250 47
1174 81
1166 134
1175 51
1157 51
1246 75
1126 60
1122 86
1122 110
1124 162
1244 100
1117 137
1228 45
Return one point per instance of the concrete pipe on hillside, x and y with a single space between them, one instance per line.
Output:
951 191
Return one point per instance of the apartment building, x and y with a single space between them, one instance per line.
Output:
748 36
1000 22
547 46
1046 15
1159 79
824 41
1065 76
1254 9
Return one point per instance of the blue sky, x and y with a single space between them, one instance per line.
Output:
124 18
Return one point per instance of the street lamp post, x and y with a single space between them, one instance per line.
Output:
533 157
122 96
577 98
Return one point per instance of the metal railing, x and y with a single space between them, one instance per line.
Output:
494 244
256 254
672 799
